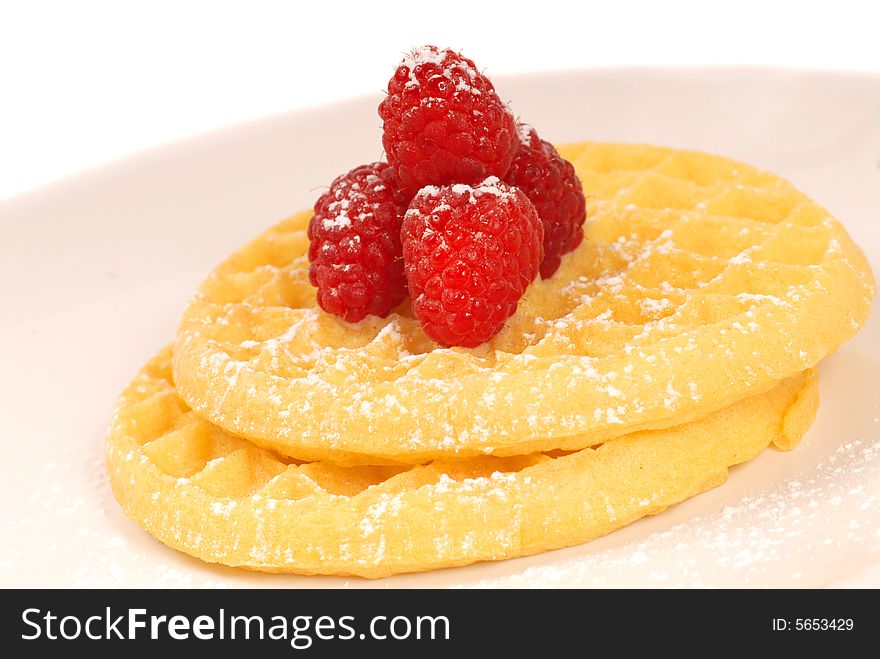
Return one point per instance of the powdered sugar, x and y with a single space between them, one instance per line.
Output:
799 532
339 222
491 185
653 307
455 69
742 257
423 55
523 131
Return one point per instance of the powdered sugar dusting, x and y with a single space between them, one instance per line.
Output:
763 539
423 55
523 131
491 185
454 69
341 221
349 195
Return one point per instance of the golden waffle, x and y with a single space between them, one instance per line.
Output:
223 499
701 281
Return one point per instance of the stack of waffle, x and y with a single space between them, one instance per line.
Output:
681 338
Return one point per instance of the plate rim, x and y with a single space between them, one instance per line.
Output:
260 122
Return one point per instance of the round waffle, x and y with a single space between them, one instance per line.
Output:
700 281
222 499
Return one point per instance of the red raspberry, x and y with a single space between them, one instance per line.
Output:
444 123
469 254
552 185
355 252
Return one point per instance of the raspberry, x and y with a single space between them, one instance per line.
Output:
552 185
357 263
444 123
469 255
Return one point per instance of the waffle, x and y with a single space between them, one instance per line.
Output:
222 499
700 282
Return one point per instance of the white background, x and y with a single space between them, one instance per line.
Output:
83 83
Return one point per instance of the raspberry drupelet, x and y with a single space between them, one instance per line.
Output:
444 123
355 252
469 255
552 185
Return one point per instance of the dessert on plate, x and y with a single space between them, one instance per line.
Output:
485 347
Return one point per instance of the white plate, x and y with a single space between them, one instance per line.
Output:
96 269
